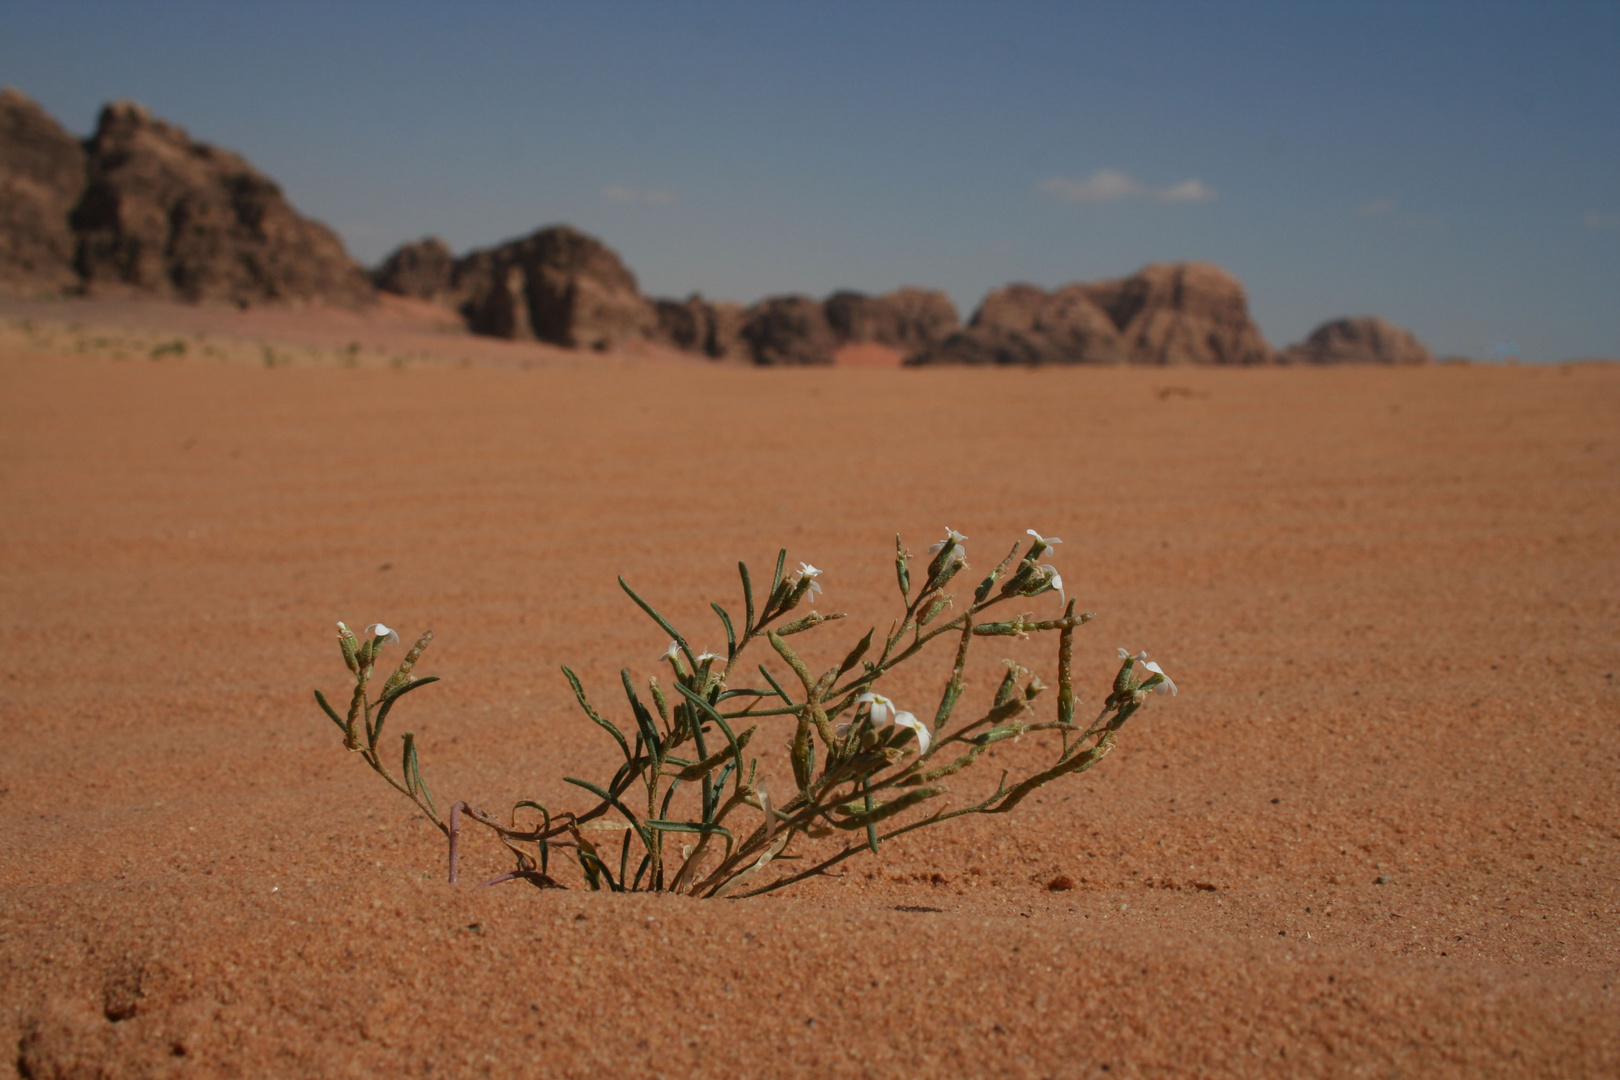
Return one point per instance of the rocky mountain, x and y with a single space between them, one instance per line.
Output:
424 270
140 208
909 320
1022 324
1183 313
1173 313
789 330
556 285
1367 340
802 330
42 175
165 215
713 329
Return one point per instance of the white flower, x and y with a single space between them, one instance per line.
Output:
808 571
1057 580
1049 541
706 656
951 537
390 636
1168 684
907 720
672 652
959 553
882 711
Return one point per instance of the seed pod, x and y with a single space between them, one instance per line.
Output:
902 568
402 674
350 646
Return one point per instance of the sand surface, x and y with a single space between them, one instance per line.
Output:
1390 598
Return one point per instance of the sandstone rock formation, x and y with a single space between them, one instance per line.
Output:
713 328
42 175
1183 313
1168 313
789 330
163 215
424 270
555 285
910 320
1367 340
1022 324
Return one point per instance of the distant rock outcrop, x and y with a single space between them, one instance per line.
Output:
1176 313
1022 324
556 285
163 215
788 330
713 328
424 270
42 175
1183 313
1367 340
910 320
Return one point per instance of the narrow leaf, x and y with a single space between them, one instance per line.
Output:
857 652
613 800
320 699
661 621
688 827
697 770
731 634
644 720
775 685
584 703
388 703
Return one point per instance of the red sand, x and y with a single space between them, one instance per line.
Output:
1389 598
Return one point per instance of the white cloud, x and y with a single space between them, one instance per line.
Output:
621 193
1104 185
1601 221
1194 190
1377 208
1111 185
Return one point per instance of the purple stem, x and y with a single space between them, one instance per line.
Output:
455 837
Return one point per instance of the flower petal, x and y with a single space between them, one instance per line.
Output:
907 720
881 710
1168 684
390 636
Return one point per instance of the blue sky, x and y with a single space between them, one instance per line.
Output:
1452 167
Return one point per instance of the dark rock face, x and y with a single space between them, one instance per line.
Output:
910 320
700 326
1366 340
42 175
163 215
556 285
1183 313
1022 324
788 330
424 270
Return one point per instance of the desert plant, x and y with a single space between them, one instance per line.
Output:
875 775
